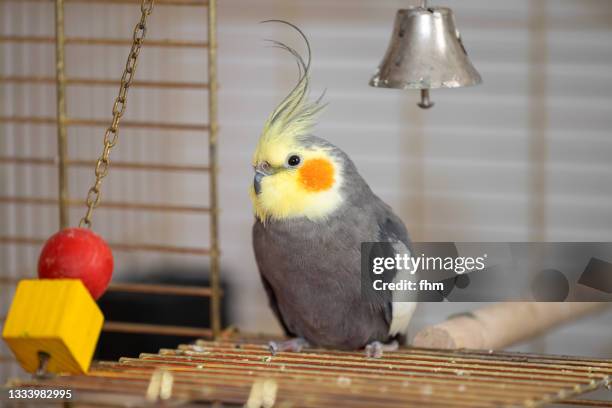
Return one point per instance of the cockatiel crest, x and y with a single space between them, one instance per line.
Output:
294 177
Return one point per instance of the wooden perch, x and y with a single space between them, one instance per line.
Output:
501 325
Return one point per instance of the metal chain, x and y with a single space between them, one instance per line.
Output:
112 133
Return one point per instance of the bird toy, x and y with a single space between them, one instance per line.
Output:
77 253
54 322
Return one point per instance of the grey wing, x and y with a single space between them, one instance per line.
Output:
391 229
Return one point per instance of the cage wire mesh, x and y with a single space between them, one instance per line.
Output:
143 155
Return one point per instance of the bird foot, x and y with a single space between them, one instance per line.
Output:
295 345
376 349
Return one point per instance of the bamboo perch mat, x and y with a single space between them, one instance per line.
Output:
235 372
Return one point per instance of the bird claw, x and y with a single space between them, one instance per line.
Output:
295 345
376 349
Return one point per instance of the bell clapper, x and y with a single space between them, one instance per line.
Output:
425 103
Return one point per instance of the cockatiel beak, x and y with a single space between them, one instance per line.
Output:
261 170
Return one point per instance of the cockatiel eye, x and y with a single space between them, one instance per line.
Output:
294 160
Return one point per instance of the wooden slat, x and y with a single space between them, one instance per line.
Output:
141 328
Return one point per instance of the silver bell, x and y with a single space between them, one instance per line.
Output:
425 52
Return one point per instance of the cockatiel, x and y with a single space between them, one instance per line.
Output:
312 212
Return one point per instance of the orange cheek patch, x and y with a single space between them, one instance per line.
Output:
317 175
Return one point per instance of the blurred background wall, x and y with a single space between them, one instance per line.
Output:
525 156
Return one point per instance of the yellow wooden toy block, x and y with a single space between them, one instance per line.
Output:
56 316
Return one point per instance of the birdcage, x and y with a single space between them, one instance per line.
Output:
68 128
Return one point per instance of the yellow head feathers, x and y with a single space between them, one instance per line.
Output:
294 178
295 116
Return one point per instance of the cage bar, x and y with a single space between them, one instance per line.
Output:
24 79
215 303
126 165
46 120
199 3
148 288
142 328
62 133
171 43
118 246
159 289
115 205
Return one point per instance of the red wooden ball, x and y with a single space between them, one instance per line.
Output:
77 253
